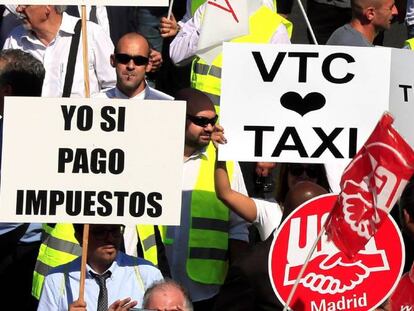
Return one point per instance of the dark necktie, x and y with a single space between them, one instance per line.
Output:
103 292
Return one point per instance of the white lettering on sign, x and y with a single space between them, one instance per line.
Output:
342 304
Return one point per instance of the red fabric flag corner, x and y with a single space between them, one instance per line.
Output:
370 186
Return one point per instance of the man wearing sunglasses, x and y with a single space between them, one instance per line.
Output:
131 61
110 275
199 250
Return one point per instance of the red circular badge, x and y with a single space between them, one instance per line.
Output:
331 281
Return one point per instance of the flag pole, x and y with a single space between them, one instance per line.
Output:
85 237
302 270
307 22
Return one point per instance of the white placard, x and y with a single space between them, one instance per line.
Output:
92 2
402 92
303 103
223 20
92 161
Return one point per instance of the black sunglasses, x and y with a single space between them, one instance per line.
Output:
125 58
103 233
297 170
202 121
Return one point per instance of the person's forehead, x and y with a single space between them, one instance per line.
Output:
167 296
133 44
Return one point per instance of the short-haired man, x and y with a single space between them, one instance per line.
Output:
167 295
199 250
47 34
111 274
369 17
20 75
131 61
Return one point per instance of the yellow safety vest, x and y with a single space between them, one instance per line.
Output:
58 247
262 25
148 241
409 43
207 260
195 4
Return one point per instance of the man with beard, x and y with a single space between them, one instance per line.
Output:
110 275
209 237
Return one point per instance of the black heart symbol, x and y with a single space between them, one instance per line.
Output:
311 102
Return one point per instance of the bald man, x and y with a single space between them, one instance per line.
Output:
247 286
131 61
199 250
369 17
167 295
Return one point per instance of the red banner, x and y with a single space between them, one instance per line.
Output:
370 186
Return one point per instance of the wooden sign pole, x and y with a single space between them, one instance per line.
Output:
87 95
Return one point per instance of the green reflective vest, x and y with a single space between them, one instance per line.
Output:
207 260
195 4
148 242
262 25
409 43
207 257
58 247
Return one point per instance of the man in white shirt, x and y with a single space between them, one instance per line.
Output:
131 61
47 34
209 236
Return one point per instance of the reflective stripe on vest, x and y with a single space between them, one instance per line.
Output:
58 247
262 25
148 243
409 43
208 237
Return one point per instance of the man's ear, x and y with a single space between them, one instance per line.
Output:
369 13
112 60
48 9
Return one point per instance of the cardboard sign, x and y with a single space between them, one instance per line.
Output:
234 22
310 104
331 281
92 2
92 161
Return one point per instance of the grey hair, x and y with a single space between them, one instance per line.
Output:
60 8
22 71
163 285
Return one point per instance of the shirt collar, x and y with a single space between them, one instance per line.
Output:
198 154
112 268
66 27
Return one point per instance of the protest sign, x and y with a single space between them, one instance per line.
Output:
234 22
92 2
310 104
331 281
92 161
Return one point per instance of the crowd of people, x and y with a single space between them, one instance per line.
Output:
217 258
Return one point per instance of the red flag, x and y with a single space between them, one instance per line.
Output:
370 186
403 296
